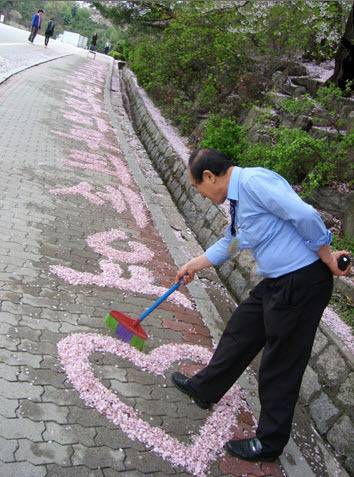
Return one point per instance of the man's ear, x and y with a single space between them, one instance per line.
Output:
209 177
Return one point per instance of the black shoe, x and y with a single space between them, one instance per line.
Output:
181 382
249 449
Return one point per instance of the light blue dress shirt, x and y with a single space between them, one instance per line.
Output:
280 229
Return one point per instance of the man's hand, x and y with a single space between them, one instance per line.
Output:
188 270
333 264
331 260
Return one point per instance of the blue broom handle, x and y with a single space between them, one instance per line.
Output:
160 300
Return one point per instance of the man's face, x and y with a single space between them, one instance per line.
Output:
212 187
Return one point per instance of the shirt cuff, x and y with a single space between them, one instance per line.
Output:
315 245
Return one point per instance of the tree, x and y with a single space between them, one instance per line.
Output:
344 58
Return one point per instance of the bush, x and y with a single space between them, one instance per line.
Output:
293 153
225 135
117 55
298 106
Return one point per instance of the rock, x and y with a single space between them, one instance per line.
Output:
330 200
345 286
312 85
310 385
237 284
346 393
348 221
303 122
292 68
323 412
320 342
299 91
332 367
341 436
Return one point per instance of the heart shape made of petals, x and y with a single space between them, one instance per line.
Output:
207 445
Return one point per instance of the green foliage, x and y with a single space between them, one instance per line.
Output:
343 243
344 308
225 135
298 106
293 153
328 96
117 55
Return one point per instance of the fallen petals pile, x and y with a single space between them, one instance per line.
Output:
196 458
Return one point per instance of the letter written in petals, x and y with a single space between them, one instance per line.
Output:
141 280
118 197
100 244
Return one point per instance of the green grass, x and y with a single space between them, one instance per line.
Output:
344 309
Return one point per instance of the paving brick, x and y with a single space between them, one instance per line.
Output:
9 373
19 428
62 396
15 469
42 376
77 471
43 411
146 462
7 449
39 453
69 434
19 358
98 457
16 390
8 407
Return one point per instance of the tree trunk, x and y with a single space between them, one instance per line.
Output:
344 58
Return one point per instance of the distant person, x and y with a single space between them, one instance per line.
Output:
49 31
2 18
36 24
93 46
107 47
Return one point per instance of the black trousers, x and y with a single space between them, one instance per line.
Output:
33 34
281 315
46 39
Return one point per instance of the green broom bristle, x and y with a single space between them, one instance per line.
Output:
113 324
137 342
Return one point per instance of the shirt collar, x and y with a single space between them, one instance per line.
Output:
233 188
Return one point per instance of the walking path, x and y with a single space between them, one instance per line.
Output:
78 238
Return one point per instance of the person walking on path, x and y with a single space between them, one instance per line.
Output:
36 24
107 47
290 244
93 46
49 31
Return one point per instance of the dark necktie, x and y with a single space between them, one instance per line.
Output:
233 216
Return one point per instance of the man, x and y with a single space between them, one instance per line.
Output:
49 31
291 247
36 24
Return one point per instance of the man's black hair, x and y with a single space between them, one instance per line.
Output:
40 10
208 159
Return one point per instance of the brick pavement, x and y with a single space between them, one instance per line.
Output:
59 275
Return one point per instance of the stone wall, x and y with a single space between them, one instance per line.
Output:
327 390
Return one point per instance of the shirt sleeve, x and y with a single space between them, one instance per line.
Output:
275 195
218 253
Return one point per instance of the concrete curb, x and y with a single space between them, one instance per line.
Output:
14 72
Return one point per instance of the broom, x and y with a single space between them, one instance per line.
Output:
129 329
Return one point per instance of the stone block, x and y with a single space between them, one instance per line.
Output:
323 412
341 436
310 385
332 367
320 342
237 284
346 393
